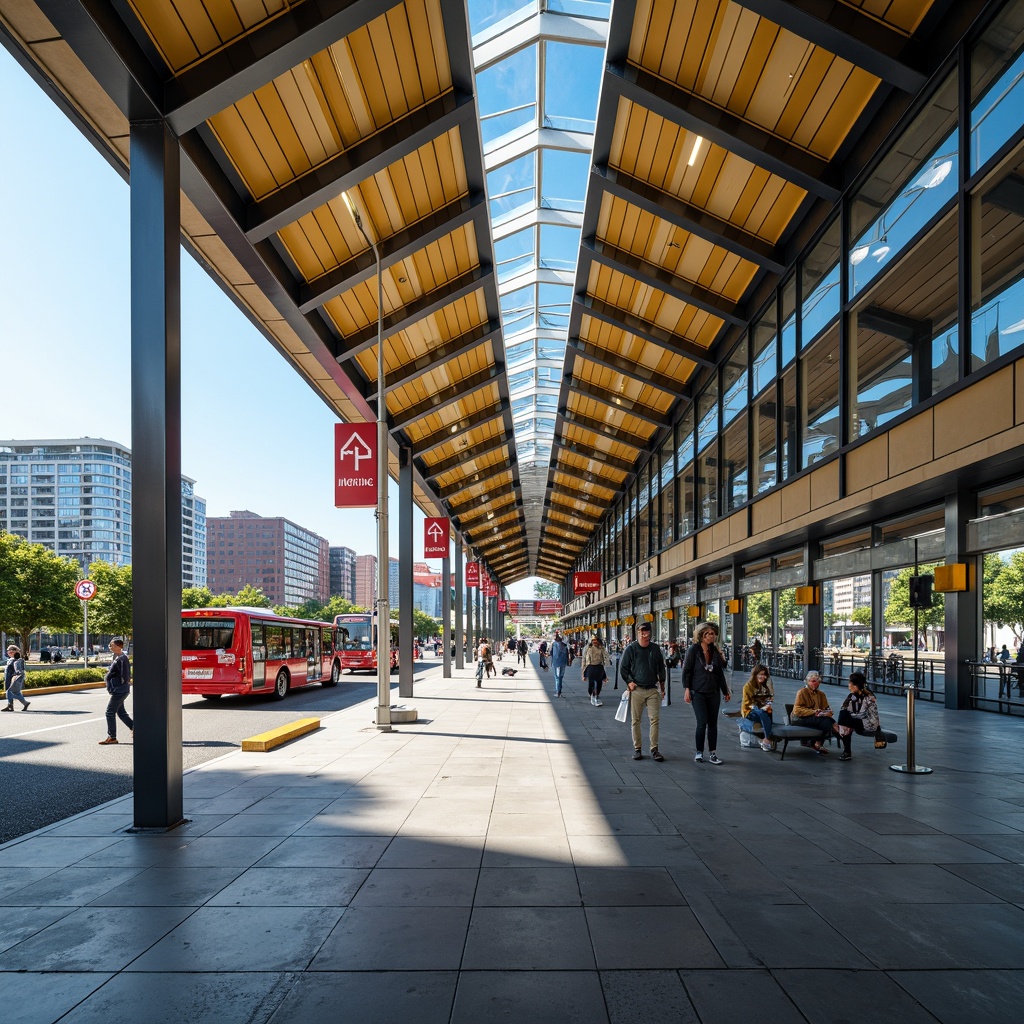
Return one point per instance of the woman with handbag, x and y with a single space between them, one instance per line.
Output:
705 686
595 669
859 714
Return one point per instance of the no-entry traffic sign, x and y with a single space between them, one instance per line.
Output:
85 590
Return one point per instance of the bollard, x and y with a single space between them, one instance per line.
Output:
910 768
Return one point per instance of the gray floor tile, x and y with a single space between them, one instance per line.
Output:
138 851
642 997
528 939
667 937
537 997
418 887
227 939
395 939
94 939
628 887
1004 881
325 852
219 852
43 998
53 851
19 922
837 997
168 887
372 997
527 887
733 997
526 851
246 998
12 881
967 997
423 852
272 887
70 887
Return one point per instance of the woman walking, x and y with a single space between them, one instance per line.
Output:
14 679
705 685
595 669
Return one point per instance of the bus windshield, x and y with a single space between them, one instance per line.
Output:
207 634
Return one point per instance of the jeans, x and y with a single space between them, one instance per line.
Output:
706 707
559 674
638 700
765 718
14 691
115 706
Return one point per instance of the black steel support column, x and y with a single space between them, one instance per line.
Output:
406 597
460 603
814 614
156 473
963 620
446 617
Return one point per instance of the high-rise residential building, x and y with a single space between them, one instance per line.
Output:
289 563
74 496
393 582
366 581
343 573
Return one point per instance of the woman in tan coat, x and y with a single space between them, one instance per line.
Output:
595 664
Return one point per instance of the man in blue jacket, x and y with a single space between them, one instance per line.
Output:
118 680
559 659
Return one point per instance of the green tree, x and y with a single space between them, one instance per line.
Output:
897 609
341 606
38 590
759 615
1004 595
544 590
110 611
862 616
196 597
248 597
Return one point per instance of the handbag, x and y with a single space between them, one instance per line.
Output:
622 710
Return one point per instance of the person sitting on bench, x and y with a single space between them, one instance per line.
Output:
757 702
811 708
859 714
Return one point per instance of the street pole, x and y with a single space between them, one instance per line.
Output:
383 718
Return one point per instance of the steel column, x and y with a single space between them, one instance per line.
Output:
446 617
460 591
406 597
156 472
963 639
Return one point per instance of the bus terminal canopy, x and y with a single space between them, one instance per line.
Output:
577 206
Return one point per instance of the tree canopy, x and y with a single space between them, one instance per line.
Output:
897 608
544 590
1004 592
110 611
37 589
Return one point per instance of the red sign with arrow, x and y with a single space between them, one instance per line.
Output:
435 537
355 465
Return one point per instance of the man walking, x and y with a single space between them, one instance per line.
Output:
559 660
118 680
642 669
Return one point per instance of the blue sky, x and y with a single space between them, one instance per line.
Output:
65 345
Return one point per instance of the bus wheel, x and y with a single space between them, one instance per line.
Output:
335 675
212 696
281 685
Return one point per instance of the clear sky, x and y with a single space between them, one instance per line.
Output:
254 436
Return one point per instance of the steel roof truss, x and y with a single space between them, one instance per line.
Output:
462 426
448 396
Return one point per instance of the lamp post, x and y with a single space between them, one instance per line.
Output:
383 561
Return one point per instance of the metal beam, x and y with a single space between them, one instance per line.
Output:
587 451
478 479
848 33
398 247
403 317
462 457
617 401
356 164
619 434
725 129
632 324
592 518
688 217
484 513
654 276
625 367
894 325
578 495
261 55
449 396
572 531
463 426
452 349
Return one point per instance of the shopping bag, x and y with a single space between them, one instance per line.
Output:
622 711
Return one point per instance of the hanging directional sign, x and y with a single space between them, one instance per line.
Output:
435 537
355 465
473 574
586 582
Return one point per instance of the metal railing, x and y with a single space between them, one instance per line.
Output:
993 686
890 673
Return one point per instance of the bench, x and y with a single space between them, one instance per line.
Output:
788 730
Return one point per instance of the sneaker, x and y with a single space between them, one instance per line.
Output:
715 759
109 739
766 745
637 756
27 705
593 700
598 703
699 757
10 707
846 757
656 755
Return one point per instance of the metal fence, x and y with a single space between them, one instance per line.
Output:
997 687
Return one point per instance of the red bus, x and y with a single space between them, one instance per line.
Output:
355 639
252 650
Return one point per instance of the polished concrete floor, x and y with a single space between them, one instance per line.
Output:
505 859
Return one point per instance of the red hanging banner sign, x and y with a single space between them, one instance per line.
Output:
473 574
355 465
435 537
586 582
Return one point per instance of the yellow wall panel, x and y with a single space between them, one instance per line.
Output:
867 465
978 412
911 443
796 499
766 513
825 484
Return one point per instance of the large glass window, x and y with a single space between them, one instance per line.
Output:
707 484
735 475
819 282
819 408
766 462
765 366
789 321
668 493
997 84
790 432
643 515
687 481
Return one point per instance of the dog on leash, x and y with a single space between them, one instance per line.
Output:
508 671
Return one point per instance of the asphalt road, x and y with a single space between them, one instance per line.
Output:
51 764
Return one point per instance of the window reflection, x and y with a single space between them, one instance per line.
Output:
997 84
819 418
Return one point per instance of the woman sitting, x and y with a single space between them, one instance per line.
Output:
810 708
859 714
757 702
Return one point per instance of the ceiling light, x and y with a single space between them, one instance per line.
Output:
697 143
455 428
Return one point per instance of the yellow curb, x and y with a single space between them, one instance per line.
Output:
70 688
282 734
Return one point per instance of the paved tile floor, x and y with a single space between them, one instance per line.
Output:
504 859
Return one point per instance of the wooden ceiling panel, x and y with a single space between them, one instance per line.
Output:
186 30
481 468
617 419
904 15
604 443
435 380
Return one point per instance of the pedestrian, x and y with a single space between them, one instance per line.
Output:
755 650
543 653
482 656
1004 655
705 685
595 669
521 650
118 680
14 679
642 670
489 669
559 661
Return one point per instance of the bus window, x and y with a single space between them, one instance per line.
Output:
275 643
207 634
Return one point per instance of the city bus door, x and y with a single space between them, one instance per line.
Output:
313 656
259 658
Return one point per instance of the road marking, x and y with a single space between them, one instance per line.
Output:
50 728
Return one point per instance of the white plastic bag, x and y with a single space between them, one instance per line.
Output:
622 711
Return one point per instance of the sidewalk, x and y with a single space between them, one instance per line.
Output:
504 859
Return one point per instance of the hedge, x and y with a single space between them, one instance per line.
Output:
63 677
